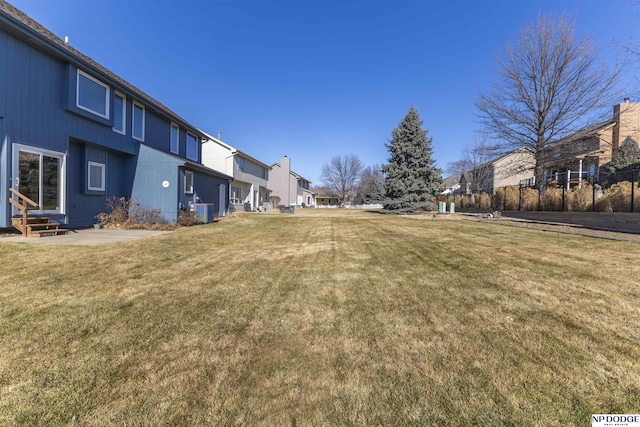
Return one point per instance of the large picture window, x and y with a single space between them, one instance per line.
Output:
192 147
92 95
137 122
39 176
236 195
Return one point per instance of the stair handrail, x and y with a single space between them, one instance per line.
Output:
22 206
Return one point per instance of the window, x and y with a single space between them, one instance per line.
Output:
40 177
119 113
95 176
137 122
188 182
240 163
236 195
92 95
265 174
192 147
175 142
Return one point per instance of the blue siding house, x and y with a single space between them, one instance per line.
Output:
73 134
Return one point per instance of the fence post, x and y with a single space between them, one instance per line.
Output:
633 186
593 196
504 202
563 198
520 199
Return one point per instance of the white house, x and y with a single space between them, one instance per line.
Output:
250 185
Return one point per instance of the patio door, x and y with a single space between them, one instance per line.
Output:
39 175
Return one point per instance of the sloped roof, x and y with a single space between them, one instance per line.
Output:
235 151
450 181
298 176
24 24
589 131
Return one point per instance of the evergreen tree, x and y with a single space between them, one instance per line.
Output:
411 176
628 158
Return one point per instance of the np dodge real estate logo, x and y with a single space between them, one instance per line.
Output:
615 420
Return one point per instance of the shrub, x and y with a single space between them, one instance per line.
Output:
529 199
580 199
129 214
551 199
186 218
617 198
117 211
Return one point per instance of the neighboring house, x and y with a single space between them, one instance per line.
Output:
73 134
451 184
250 183
509 169
323 198
582 155
291 188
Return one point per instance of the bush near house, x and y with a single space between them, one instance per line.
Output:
129 214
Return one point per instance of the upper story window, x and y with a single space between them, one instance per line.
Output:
119 113
192 147
92 95
175 141
137 122
240 161
265 174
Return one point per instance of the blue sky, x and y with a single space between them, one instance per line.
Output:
313 79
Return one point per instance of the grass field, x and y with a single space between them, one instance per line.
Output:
321 318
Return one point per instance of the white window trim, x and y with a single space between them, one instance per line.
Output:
187 151
124 114
102 168
177 151
63 174
234 200
133 120
188 190
107 95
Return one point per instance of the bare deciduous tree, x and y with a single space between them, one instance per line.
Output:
458 167
341 176
477 157
550 86
371 187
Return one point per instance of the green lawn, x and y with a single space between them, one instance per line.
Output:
325 317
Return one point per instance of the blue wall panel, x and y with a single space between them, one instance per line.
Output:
156 182
3 72
206 188
83 205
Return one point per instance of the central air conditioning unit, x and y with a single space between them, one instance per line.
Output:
205 212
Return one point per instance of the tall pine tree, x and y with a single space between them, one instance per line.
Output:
411 176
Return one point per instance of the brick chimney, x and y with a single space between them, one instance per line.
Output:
627 117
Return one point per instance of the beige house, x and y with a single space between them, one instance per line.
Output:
249 189
510 169
291 188
582 155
